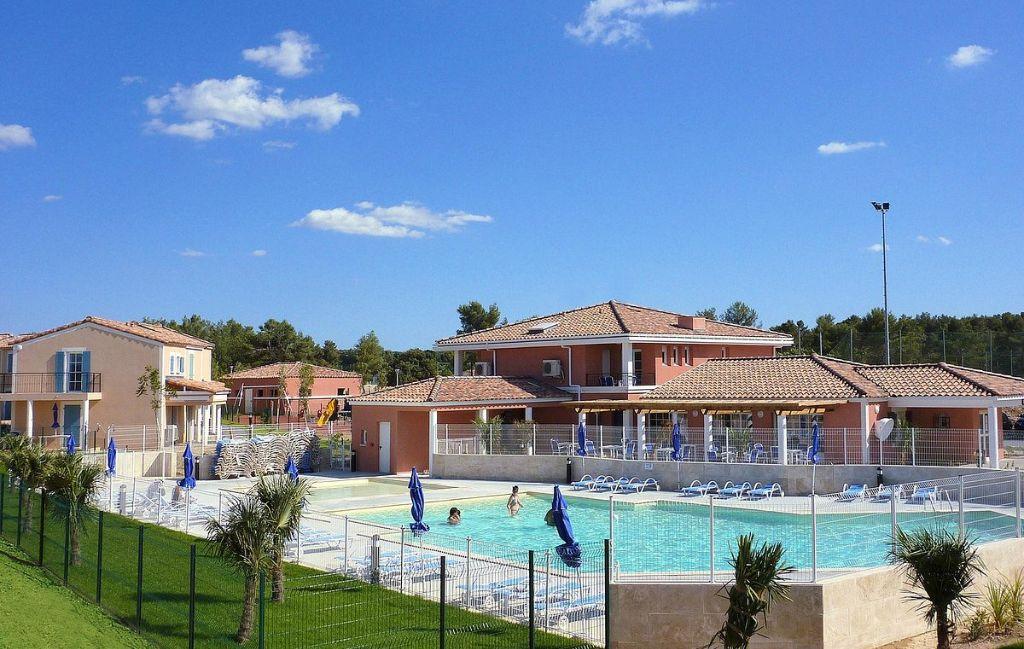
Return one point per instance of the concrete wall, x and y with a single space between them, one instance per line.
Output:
525 468
795 480
863 610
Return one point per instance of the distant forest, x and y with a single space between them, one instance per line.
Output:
994 343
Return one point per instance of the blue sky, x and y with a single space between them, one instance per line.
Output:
538 155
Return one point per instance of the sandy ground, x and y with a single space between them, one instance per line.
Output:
927 641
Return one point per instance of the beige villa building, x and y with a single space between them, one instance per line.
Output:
81 378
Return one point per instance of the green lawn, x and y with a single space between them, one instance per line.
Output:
39 613
320 608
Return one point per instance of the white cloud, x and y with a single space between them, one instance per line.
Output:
611 22
969 55
922 239
946 241
52 198
259 253
406 220
212 105
275 145
877 247
15 135
131 79
189 252
288 59
834 148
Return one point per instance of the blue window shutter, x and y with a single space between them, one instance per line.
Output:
85 371
58 372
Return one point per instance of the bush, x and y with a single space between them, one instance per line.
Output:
977 625
1004 601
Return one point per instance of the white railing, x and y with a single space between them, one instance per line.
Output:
909 446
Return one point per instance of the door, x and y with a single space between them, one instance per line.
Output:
73 422
384 463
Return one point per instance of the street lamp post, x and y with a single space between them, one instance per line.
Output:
883 208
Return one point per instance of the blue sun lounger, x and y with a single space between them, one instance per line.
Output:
589 482
852 492
764 492
731 490
698 488
922 495
887 493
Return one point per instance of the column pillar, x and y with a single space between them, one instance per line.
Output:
865 432
457 365
217 423
709 433
482 414
627 426
528 413
641 434
30 418
783 438
627 363
83 434
432 436
993 436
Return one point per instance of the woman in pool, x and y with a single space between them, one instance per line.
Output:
514 504
454 516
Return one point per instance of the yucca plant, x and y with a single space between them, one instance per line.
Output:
244 540
29 463
284 499
74 482
1003 603
758 583
941 566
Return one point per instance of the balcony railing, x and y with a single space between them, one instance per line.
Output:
48 382
615 379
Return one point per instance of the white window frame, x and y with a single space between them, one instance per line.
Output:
176 364
664 355
362 438
687 358
675 355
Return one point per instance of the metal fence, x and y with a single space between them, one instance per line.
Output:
692 539
906 446
347 583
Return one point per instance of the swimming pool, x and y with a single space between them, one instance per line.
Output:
336 494
674 536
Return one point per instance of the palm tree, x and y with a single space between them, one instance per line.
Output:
29 464
758 583
75 482
245 541
284 500
942 566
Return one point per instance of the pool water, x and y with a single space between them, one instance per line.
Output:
673 536
333 495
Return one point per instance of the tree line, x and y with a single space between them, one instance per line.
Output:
994 343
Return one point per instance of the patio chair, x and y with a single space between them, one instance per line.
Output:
630 453
922 495
760 492
589 447
852 492
755 453
731 490
698 488
712 453
648 451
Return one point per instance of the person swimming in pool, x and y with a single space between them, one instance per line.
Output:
549 518
514 504
454 516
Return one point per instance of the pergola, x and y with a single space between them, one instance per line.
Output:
708 408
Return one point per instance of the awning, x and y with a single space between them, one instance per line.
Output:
715 407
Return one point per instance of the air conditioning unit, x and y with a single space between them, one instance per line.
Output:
481 368
553 368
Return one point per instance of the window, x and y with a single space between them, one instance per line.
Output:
675 356
362 438
658 422
177 365
942 421
638 366
259 394
686 355
723 353
664 355
75 363
342 392
191 365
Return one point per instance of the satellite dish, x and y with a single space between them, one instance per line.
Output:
883 427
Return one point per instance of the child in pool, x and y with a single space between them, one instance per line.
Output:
454 516
514 504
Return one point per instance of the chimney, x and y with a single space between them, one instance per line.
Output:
692 322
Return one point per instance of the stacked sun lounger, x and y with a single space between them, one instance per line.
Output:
266 454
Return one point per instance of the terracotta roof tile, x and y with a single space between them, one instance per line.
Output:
183 384
148 330
459 389
940 380
291 371
606 319
780 377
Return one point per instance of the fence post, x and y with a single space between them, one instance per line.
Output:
913 447
138 582
3 492
607 593
469 544
532 590
1016 498
444 592
67 547
547 588
534 428
960 505
401 561
892 509
846 459
143 449
21 498
262 608
42 522
346 544
99 559
814 539
192 597
711 535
